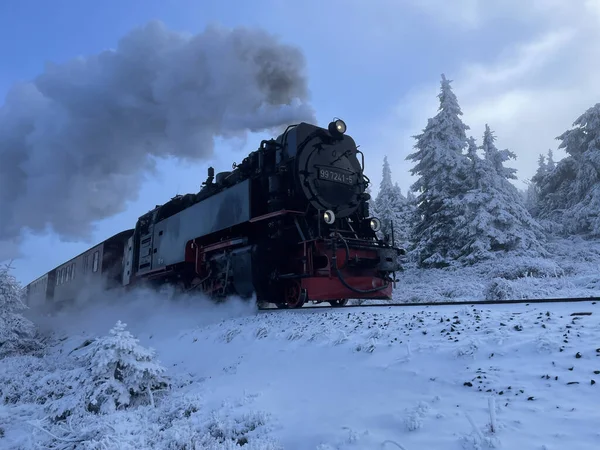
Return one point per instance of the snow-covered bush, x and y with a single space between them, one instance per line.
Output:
177 423
18 335
500 289
23 379
114 372
519 267
121 372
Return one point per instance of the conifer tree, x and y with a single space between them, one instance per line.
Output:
442 170
497 158
391 207
550 165
570 194
541 171
496 218
121 370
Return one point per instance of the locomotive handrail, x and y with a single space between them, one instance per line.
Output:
270 215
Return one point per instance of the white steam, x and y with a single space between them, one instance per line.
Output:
143 310
76 142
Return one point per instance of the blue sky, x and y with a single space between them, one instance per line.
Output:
526 69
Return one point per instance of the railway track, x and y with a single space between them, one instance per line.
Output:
594 300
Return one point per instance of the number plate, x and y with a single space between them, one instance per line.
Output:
336 175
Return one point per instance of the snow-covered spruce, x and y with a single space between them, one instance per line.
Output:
120 372
442 169
569 194
18 335
394 210
496 219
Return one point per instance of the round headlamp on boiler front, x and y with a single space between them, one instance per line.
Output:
329 217
375 224
337 128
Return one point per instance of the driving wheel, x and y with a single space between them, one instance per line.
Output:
295 296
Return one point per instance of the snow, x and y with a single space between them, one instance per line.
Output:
573 270
349 378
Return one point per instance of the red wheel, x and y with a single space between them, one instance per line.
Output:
339 302
295 296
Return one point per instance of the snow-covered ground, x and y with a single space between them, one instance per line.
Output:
422 377
573 270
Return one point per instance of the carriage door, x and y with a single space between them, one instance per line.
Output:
146 243
127 261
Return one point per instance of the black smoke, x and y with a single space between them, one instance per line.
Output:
77 141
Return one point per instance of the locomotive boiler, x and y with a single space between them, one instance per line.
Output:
289 224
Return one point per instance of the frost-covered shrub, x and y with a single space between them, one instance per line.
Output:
18 335
514 268
177 423
23 379
500 289
120 372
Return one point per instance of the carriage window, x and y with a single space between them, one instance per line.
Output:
95 261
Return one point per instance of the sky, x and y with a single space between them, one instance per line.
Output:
528 69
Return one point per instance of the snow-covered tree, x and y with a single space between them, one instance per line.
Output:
570 194
538 178
550 165
443 173
496 218
497 158
532 194
392 210
120 369
529 196
17 333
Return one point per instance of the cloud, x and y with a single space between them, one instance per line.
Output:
77 141
471 15
529 93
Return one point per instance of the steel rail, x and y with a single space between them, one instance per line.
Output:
447 303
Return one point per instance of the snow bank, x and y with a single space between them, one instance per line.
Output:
342 379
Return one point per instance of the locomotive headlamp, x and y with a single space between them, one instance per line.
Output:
375 224
337 127
329 217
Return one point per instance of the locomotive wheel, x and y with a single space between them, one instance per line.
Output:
339 302
295 296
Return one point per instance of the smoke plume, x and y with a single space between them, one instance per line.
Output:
76 142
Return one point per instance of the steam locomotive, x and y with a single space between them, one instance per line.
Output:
289 224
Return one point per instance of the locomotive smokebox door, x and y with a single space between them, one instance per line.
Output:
328 170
